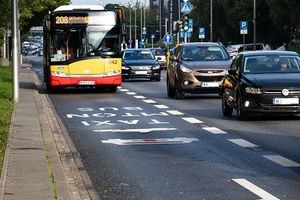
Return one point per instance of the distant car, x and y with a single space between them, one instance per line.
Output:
197 68
235 49
262 82
160 56
140 63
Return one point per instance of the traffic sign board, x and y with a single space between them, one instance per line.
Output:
168 39
243 27
190 25
185 7
201 32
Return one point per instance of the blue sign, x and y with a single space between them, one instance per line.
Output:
190 25
182 34
243 27
201 32
168 39
185 7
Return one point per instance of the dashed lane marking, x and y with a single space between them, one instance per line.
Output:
161 106
139 97
131 93
149 101
282 160
243 143
214 130
174 112
192 120
144 130
124 90
147 141
255 189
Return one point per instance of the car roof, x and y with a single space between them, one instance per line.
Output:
271 52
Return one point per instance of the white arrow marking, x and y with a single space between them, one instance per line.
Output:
176 140
145 130
256 190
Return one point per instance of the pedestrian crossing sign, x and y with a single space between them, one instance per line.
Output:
185 7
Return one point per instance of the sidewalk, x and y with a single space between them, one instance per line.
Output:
40 162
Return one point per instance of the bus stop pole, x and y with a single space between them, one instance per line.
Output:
15 49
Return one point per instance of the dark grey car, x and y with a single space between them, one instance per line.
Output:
197 68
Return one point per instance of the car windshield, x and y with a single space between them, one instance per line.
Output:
271 64
204 53
138 55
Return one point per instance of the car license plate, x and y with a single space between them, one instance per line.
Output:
285 101
86 82
210 84
141 72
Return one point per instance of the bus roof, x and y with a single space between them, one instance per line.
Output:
79 7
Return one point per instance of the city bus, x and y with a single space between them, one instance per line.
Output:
82 47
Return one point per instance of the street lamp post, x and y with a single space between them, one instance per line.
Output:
130 38
211 21
15 46
254 24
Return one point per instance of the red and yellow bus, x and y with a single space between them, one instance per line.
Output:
82 47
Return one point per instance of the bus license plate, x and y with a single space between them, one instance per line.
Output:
86 82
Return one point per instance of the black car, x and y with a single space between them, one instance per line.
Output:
140 63
197 68
262 82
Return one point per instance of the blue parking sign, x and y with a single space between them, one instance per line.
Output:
201 32
243 27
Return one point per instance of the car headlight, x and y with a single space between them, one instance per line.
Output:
252 90
125 67
185 69
156 67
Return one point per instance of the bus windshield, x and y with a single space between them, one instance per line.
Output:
89 41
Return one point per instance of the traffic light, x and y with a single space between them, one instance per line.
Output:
185 20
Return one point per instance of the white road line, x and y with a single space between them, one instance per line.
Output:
149 101
255 189
192 120
144 130
174 112
147 141
161 106
214 130
131 93
243 143
282 161
140 97
124 90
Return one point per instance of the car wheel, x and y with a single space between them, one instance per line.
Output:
178 93
241 114
170 90
226 109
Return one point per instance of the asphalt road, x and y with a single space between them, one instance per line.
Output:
140 144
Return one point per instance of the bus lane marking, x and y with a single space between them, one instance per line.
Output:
144 130
214 130
243 143
147 141
282 160
255 189
192 120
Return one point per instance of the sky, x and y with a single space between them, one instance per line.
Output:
104 2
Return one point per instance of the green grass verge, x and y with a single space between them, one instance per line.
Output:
6 108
